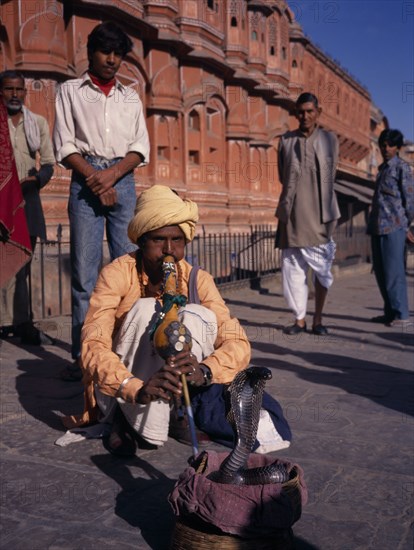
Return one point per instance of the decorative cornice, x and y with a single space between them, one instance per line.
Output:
334 67
259 5
184 22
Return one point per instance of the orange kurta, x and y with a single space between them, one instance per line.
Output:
117 289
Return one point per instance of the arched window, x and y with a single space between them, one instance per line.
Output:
254 35
294 64
212 120
194 157
272 37
283 53
162 152
194 120
233 22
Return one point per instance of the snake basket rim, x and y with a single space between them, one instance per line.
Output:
290 486
185 537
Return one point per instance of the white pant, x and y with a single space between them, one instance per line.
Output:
136 351
295 266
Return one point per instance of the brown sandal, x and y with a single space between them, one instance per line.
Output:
120 443
71 373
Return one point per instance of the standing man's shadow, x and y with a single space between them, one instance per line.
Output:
40 390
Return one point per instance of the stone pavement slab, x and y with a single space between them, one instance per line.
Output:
349 399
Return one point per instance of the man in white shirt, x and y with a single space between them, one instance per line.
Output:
101 134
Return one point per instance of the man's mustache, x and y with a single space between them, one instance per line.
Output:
14 104
162 259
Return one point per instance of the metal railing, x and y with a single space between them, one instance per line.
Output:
232 259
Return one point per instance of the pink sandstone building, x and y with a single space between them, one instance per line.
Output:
218 80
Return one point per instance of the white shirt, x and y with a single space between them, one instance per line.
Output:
90 123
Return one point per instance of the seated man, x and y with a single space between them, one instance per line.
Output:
126 383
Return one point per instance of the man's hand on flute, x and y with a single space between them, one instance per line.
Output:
166 383
187 364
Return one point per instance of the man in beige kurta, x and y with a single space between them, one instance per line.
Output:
307 213
33 152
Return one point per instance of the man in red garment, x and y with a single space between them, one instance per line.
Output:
15 248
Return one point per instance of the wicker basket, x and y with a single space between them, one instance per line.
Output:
217 525
185 537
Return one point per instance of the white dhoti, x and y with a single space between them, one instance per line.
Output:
136 351
295 266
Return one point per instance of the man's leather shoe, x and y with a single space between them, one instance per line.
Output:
319 330
7 331
381 319
32 336
294 329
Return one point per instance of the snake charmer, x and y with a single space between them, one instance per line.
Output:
130 386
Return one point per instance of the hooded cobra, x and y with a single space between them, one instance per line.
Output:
246 393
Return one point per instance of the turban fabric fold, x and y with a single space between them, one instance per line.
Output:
160 206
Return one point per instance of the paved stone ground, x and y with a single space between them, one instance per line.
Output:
348 397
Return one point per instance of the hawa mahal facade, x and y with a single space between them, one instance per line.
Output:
218 80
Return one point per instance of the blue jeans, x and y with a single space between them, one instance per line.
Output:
88 217
388 262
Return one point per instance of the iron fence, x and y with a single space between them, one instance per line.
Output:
232 259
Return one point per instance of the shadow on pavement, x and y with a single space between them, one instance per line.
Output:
141 502
301 544
274 331
388 386
41 391
402 337
252 305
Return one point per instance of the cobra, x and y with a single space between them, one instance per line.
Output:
246 393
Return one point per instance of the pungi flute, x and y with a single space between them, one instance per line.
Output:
171 336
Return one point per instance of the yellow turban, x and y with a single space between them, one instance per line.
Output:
158 207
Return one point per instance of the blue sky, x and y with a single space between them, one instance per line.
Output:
374 41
